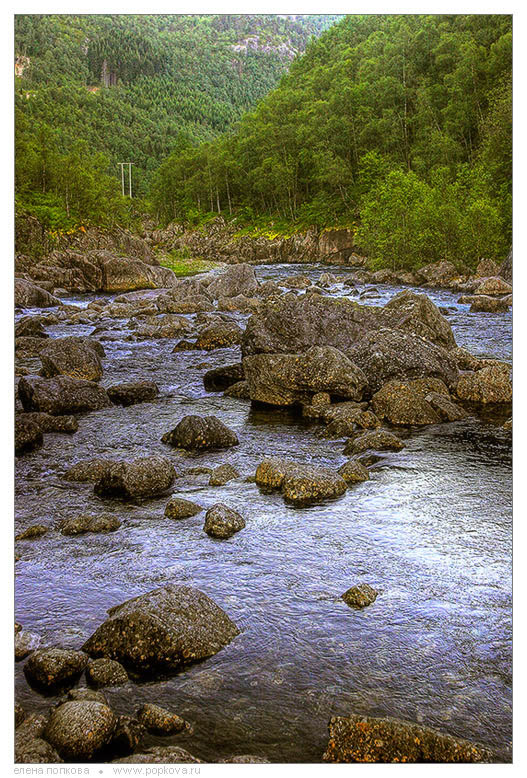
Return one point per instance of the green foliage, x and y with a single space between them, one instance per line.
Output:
400 122
182 264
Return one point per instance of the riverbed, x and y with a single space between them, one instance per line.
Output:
431 530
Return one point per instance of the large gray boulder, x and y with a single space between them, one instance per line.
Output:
61 395
237 279
196 433
124 274
288 379
144 477
418 315
75 357
28 295
163 630
365 739
300 484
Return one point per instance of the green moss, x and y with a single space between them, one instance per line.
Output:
184 265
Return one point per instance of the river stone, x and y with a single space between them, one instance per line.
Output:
288 379
25 643
176 508
35 531
28 295
353 472
128 735
163 630
28 435
200 432
244 759
221 378
20 714
126 274
404 403
219 335
160 755
30 746
364 739
482 303
300 484
489 385
240 390
144 477
88 522
48 423
85 694
443 405
508 425
89 470
494 286
54 668
419 316
360 596
167 326
133 392
106 672
74 357
160 721
61 395
376 440
80 729
238 279
30 326
222 522
222 475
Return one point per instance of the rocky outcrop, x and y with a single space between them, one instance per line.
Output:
238 279
163 630
61 395
364 739
300 484
28 295
289 379
197 433
144 477
490 385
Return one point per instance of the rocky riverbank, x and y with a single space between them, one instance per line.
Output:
365 376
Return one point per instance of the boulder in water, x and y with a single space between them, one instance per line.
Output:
222 522
61 395
133 392
143 477
360 596
160 721
300 484
195 433
28 295
75 357
80 729
54 668
490 385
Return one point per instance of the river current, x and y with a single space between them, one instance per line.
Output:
431 530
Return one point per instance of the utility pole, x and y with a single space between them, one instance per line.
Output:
122 164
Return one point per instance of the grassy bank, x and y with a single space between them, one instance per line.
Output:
183 265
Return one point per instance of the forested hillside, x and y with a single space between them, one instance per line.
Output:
398 126
96 90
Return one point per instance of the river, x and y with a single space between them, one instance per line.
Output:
432 530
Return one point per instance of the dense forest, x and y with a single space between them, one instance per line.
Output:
95 90
398 126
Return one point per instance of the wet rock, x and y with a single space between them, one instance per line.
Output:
342 419
389 355
48 423
482 303
184 345
28 435
404 404
365 739
195 433
494 286
28 346
30 746
61 395
192 304
296 282
167 326
127 736
25 643
487 268
80 729
160 721
376 440
35 531
30 326
160 755
239 303
221 378
288 379
238 279
54 668
89 470
219 335
144 477
124 274
28 295
133 392
354 472
177 508
443 405
88 522
20 714
244 759
73 357
419 316
106 672
360 596
240 390
222 522
90 695
222 475
438 274
163 630
489 385
300 484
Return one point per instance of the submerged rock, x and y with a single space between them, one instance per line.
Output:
28 435
163 630
80 729
160 721
360 596
133 392
364 739
222 522
25 643
177 508
144 477
49 423
199 433
35 531
54 668
221 378
354 472
61 395
375 440
222 475
300 484
88 522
